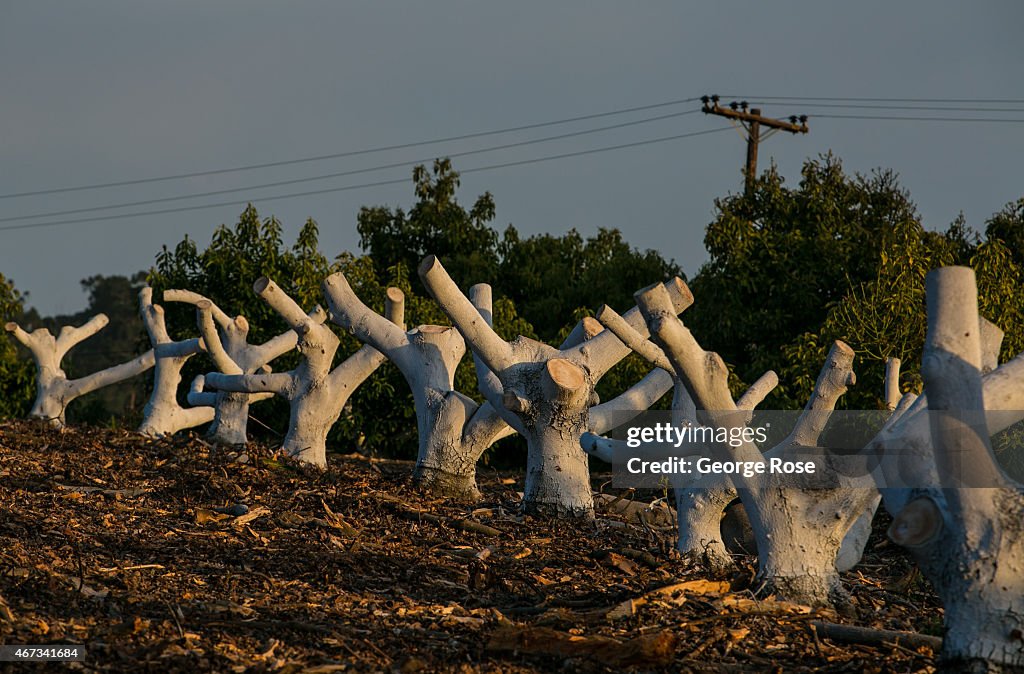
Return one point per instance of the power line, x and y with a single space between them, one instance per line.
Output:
340 174
921 119
350 153
380 183
936 108
880 100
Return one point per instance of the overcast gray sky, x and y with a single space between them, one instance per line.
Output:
110 91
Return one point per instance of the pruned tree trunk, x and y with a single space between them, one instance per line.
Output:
968 541
454 431
232 354
316 393
548 396
54 391
798 532
162 414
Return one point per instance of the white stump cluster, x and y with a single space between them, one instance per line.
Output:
965 531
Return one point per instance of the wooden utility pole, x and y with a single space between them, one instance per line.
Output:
752 121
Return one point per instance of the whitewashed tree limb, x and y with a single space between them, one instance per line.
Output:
54 391
586 328
633 401
758 391
892 383
991 337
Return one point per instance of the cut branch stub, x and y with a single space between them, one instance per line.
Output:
395 310
494 351
564 382
991 342
918 524
892 383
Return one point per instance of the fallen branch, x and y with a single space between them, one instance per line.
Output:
867 636
411 512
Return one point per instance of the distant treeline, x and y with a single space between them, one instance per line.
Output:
790 270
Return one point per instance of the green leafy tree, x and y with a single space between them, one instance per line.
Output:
840 257
551 277
17 379
1008 226
881 318
436 225
780 258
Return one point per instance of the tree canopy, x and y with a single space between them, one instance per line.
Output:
547 277
837 257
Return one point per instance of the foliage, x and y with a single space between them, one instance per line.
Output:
1008 226
780 257
436 225
17 388
840 257
550 277
226 270
547 277
882 318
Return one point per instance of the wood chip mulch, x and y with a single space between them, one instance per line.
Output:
175 556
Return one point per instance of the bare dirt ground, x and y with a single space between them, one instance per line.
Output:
119 543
